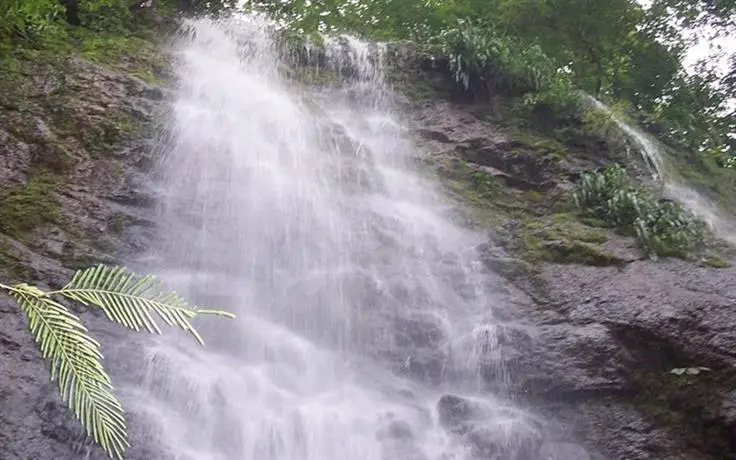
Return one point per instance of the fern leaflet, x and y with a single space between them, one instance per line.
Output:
131 300
76 364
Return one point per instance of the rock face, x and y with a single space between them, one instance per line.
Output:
72 156
637 359
657 317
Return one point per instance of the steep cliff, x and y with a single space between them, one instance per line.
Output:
76 139
636 358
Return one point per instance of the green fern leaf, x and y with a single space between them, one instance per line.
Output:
132 300
76 364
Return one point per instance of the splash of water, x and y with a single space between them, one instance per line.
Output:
358 300
674 187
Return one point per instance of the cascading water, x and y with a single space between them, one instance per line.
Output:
358 302
674 187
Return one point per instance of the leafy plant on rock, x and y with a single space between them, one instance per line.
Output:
663 228
74 356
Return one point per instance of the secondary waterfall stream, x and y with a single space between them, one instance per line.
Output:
674 186
359 302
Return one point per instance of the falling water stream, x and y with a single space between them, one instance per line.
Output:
674 186
359 302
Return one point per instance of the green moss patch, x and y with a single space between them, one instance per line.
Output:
714 262
104 136
491 203
118 222
569 252
134 55
560 238
24 209
415 87
314 76
544 146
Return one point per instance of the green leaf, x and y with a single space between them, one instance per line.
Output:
76 364
132 300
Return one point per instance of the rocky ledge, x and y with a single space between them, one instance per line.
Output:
636 358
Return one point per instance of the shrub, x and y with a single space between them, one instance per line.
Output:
559 94
663 228
483 59
28 18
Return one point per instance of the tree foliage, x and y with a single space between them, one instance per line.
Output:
616 50
74 356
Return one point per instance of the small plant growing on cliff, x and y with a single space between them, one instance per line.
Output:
663 228
594 191
75 358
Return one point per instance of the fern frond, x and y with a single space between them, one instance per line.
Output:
76 364
131 300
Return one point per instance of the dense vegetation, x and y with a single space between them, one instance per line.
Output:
616 50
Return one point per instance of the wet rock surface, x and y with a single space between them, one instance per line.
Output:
635 360
490 431
657 318
84 138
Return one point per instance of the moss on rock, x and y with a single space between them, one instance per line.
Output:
577 252
562 239
138 56
24 209
315 76
714 262
104 137
544 146
118 222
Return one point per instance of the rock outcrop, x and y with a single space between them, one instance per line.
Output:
75 144
636 358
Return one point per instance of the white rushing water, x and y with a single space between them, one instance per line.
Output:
359 303
674 187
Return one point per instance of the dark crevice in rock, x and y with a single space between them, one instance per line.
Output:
693 405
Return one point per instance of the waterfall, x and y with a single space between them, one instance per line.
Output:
674 186
359 302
